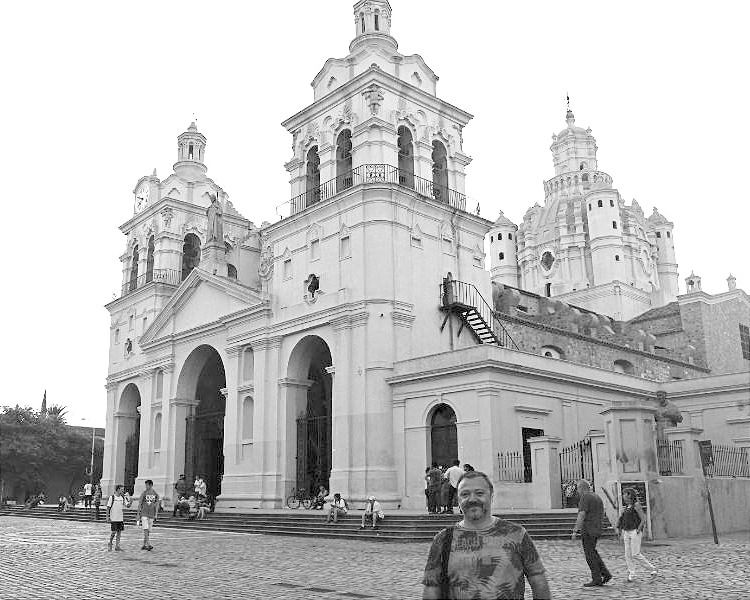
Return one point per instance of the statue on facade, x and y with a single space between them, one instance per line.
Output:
667 415
215 214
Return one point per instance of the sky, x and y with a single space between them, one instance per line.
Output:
96 93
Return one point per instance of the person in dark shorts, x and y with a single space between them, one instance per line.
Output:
116 505
589 525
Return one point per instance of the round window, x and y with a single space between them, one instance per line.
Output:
547 260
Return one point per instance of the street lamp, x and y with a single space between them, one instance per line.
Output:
91 468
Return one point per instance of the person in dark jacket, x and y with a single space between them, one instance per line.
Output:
630 526
589 525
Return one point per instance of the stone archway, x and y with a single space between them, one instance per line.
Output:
202 386
443 435
128 416
311 407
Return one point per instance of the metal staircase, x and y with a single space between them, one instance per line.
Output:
464 300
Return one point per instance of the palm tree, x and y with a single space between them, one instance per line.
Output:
57 413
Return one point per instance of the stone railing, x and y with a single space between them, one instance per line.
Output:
576 183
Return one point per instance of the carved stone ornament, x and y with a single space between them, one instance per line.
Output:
166 216
265 269
312 289
374 97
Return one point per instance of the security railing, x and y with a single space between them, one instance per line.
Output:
454 292
670 457
167 276
510 466
729 461
373 173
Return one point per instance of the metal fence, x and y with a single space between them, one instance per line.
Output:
729 461
372 173
670 457
510 466
576 463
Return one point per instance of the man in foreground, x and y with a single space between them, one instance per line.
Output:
589 524
482 556
148 507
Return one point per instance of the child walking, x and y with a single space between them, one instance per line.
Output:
630 525
116 504
148 507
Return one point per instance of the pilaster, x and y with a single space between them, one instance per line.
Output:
545 462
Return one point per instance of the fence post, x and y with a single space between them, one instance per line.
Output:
546 472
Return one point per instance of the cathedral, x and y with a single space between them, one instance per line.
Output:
360 337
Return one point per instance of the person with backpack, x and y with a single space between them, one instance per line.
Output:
116 505
483 556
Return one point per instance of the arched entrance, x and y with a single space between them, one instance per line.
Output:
443 437
129 432
202 380
309 360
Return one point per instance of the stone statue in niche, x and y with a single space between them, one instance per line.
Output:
215 214
313 285
128 346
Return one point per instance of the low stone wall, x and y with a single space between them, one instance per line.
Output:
679 507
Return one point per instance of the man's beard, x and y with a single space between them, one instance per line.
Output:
466 507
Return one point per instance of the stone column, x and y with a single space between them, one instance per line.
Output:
423 159
109 466
327 154
488 446
179 410
689 436
232 412
213 258
266 375
545 483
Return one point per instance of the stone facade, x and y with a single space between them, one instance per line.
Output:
321 349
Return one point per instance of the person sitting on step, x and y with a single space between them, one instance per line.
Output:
203 508
192 508
373 512
320 499
338 508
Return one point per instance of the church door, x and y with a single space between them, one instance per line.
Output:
443 435
314 451
131 459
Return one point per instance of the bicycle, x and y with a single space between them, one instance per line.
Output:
298 497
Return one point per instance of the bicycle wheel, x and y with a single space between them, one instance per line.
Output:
307 503
292 502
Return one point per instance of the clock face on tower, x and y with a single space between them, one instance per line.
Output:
141 198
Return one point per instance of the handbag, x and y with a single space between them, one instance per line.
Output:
445 553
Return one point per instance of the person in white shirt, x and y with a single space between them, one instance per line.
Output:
88 493
338 508
373 511
115 515
453 474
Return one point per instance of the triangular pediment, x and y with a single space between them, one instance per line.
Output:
200 301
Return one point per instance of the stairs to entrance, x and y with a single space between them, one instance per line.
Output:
398 526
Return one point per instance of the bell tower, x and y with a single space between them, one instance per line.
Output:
191 151
372 19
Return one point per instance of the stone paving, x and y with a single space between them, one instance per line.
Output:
58 560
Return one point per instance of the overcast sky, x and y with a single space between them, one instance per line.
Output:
95 94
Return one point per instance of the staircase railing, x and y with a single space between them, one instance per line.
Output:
453 292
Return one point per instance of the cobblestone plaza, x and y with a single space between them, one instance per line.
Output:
57 560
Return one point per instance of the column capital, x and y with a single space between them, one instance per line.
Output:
331 370
224 392
268 343
183 402
289 382
545 439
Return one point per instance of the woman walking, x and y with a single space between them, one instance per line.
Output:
630 525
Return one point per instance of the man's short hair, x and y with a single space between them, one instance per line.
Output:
434 464
118 487
456 462
584 485
148 482
182 476
475 475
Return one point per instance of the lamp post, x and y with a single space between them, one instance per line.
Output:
91 467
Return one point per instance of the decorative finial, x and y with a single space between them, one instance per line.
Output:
731 282
569 117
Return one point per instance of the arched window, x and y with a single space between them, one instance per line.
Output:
501 256
492 239
623 366
658 234
134 269
499 236
190 152
150 260
405 157
617 258
362 20
551 352
157 431
548 289
611 202
589 205
443 437
313 176
614 224
669 235
599 203
343 160
231 271
248 407
510 236
583 166
377 20
439 172
585 178
191 254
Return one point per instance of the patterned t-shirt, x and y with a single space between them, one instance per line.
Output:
149 503
485 563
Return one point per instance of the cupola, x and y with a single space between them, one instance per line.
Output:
372 19
191 150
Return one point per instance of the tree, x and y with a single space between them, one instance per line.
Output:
57 412
33 445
